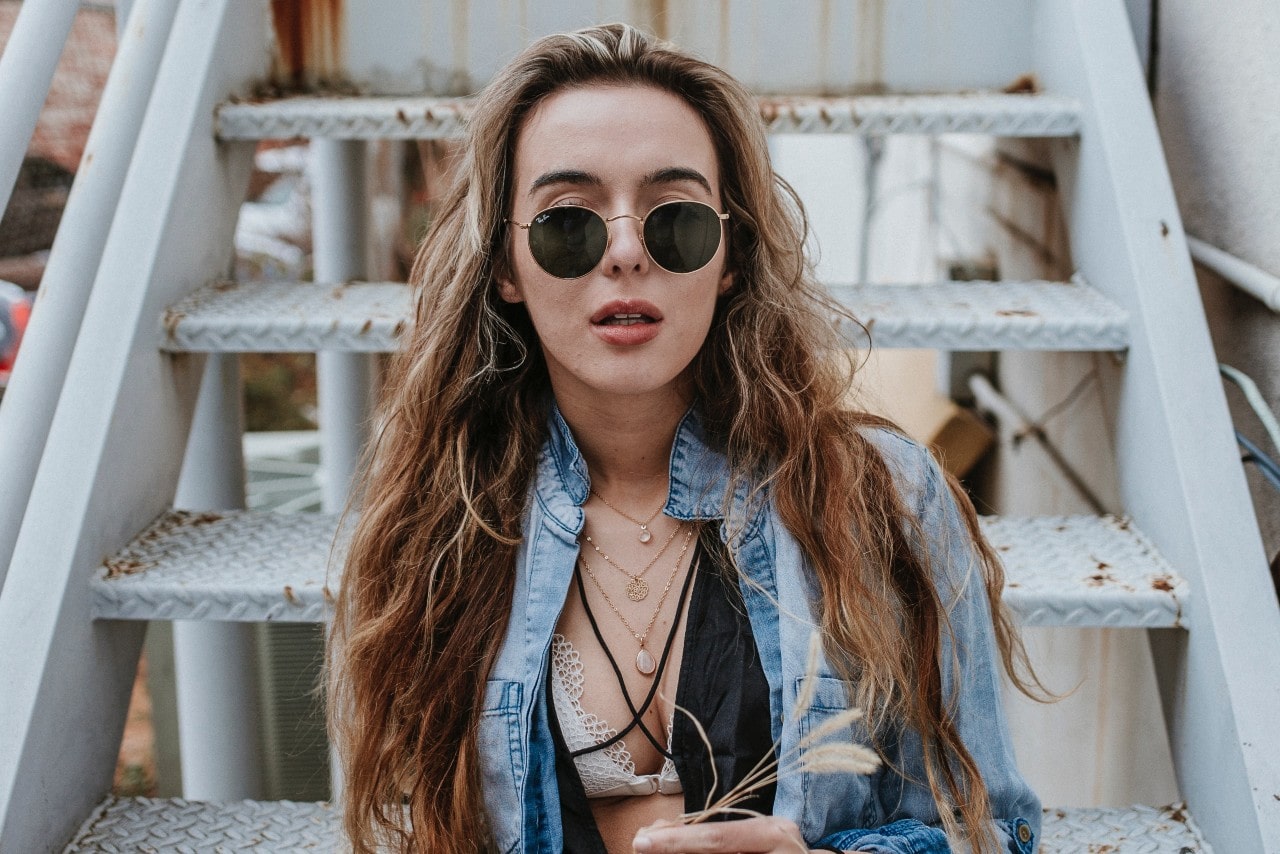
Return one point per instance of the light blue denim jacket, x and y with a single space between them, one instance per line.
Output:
887 812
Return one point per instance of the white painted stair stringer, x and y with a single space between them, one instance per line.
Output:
115 446
1179 472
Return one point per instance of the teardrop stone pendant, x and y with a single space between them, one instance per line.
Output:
645 536
645 663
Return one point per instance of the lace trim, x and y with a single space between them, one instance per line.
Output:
611 770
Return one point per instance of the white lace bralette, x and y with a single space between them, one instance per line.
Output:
610 771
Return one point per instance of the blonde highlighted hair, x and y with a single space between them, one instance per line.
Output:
428 582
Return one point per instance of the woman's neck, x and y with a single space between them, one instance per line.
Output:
626 445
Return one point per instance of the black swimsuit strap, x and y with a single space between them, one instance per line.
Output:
637 715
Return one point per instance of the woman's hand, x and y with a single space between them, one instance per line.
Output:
749 836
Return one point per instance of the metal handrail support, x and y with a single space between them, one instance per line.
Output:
26 72
1245 276
33 391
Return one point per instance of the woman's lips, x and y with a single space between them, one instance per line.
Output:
626 322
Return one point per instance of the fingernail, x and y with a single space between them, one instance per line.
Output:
642 844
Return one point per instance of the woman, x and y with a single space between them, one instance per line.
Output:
617 474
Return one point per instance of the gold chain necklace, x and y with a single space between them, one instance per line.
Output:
644 659
645 534
637 587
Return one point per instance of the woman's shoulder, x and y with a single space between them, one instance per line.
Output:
914 468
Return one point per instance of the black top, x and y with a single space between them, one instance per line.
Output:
721 683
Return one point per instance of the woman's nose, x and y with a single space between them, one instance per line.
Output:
625 251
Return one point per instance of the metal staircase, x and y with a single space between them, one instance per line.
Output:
100 550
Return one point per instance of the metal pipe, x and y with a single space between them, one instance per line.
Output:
1250 279
344 381
214 663
988 399
36 384
26 72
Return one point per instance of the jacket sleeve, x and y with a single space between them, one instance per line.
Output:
970 677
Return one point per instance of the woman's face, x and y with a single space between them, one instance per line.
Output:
617 150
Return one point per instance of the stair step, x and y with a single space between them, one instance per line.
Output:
254 566
369 316
154 825
426 117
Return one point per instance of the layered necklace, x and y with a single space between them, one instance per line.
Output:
637 587
645 662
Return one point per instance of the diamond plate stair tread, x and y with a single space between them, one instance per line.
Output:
150 825
256 566
369 317
426 117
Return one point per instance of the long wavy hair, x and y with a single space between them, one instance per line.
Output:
428 581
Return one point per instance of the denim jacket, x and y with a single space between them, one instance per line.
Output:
890 811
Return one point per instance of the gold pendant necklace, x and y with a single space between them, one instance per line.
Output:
645 534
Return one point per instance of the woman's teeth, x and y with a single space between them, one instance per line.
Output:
625 319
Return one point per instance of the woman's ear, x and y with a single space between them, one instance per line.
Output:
726 282
508 290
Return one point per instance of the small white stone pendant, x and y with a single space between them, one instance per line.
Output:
637 589
645 663
645 536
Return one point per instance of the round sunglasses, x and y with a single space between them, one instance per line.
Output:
568 241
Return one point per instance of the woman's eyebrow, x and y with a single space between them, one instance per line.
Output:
674 174
565 176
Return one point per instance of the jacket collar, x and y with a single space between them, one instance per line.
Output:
699 475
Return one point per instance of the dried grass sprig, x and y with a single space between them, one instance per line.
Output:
812 754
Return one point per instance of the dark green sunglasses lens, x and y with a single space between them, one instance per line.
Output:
682 236
568 242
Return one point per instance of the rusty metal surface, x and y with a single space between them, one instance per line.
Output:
121 825
255 566
985 316
369 317
383 117
1131 830
288 317
1085 571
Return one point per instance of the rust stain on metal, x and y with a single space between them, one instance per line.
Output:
327 594
198 520
171 321
1016 312
724 46
366 326
1023 84
870 32
129 566
1163 583
290 596
308 42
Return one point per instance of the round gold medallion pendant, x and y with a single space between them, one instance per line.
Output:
645 536
637 589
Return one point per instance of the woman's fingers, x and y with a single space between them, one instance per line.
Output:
753 836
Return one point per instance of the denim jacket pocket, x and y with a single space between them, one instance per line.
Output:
846 797
502 761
